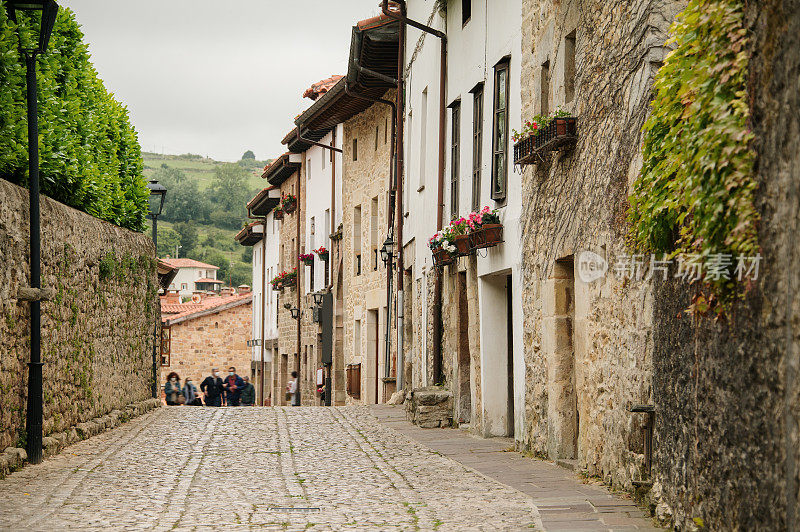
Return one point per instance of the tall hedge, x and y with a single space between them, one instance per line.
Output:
90 156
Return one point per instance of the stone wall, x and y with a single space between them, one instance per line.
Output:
212 341
97 333
726 392
588 345
365 294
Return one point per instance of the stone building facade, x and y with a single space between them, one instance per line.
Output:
212 335
366 164
588 345
97 330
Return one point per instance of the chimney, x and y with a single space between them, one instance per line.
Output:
172 298
243 289
198 296
227 291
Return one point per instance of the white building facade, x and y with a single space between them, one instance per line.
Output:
193 276
483 107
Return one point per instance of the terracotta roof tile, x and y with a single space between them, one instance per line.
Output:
321 87
208 304
189 263
208 280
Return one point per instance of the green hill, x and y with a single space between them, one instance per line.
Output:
204 209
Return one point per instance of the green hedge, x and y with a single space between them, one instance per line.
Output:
90 156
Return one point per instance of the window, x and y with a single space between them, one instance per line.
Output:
544 88
500 132
423 138
466 11
385 130
355 149
308 168
183 286
376 137
357 238
569 67
373 237
312 233
455 157
323 155
477 145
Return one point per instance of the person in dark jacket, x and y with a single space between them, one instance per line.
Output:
212 389
190 393
172 389
233 385
248 397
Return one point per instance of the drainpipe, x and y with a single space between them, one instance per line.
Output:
299 211
437 315
400 106
263 303
333 209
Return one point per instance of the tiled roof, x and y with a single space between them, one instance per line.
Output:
189 263
208 280
321 87
177 308
209 305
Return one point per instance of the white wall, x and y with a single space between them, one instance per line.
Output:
268 248
188 276
319 179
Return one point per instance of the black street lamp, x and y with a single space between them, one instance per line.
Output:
47 10
387 250
295 313
318 298
157 194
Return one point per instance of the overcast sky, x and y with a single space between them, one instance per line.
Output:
217 77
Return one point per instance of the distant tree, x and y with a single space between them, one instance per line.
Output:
247 255
249 155
184 201
230 193
168 238
218 259
189 237
241 274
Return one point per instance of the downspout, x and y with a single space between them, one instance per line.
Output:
263 304
437 315
400 107
333 207
300 180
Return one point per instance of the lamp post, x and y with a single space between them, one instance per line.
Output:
387 254
157 194
47 11
387 250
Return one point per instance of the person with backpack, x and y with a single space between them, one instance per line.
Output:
248 397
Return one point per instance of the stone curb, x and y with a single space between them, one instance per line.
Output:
14 458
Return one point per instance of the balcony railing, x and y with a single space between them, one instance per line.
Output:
560 134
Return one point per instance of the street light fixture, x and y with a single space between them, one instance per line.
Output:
35 411
156 203
295 313
318 298
387 251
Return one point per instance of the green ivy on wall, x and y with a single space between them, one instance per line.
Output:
695 194
90 156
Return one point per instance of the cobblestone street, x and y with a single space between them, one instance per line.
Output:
257 468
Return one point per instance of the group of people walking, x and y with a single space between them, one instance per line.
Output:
232 390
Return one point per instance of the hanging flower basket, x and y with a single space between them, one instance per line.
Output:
462 244
289 203
307 258
487 236
442 258
277 214
322 253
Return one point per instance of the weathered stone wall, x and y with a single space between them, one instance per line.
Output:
588 346
726 392
97 334
285 361
212 341
365 294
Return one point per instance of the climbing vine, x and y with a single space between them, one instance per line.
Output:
695 194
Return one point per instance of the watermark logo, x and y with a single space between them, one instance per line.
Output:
591 266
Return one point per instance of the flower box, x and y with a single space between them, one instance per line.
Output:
461 243
290 282
277 214
290 207
442 258
486 236
560 133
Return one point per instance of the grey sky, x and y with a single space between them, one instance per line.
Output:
217 77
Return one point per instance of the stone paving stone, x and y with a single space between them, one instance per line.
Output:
308 468
564 502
